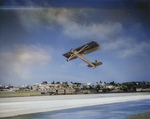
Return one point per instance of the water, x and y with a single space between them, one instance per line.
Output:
106 111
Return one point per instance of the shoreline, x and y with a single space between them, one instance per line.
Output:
26 105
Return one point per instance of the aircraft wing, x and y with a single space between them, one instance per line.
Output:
68 54
89 47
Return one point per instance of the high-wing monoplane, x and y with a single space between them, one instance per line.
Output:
83 50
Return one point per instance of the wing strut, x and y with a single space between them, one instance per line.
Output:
73 51
72 55
82 48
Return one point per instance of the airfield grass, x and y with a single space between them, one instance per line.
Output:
19 94
140 116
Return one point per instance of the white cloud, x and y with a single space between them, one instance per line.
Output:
116 45
99 31
112 35
71 23
31 54
125 47
139 49
73 27
19 63
37 17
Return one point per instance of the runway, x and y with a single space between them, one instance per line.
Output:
26 105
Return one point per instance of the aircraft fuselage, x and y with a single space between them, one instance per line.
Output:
75 53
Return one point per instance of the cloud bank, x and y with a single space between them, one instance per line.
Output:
71 23
78 24
19 64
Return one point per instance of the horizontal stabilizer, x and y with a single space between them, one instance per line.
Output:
95 63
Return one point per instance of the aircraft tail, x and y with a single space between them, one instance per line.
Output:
95 63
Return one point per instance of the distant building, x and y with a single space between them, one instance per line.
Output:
139 89
60 91
14 89
100 91
110 86
143 90
85 91
35 86
146 90
69 91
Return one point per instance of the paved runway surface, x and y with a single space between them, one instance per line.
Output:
26 105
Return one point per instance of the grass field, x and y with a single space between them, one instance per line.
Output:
140 116
19 94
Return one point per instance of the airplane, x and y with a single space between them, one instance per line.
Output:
83 50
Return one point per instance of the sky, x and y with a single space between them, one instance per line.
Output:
35 34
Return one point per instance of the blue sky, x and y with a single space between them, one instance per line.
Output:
34 35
